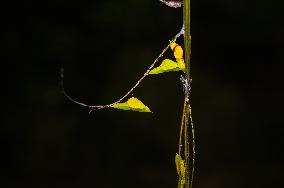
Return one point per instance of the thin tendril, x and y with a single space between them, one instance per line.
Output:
193 145
181 129
97 107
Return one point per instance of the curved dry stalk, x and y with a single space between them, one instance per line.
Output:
193 146
97 107
181 128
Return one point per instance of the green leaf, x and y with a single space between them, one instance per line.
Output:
132 104
167 65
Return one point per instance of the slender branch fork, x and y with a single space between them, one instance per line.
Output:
97 107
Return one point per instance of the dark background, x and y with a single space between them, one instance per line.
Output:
104 47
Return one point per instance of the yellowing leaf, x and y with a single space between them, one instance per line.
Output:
181 64
177 160
177 49
132 104
178 52
173 44
166 66
180 168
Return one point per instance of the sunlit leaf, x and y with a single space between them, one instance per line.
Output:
132 104
167 65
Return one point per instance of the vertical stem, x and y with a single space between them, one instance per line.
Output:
187 111
187 38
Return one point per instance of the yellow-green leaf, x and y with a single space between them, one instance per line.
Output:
173 44
180 168
132 104
166 66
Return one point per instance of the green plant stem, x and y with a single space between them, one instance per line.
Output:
187 40
187 110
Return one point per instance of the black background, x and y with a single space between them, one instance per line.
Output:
104 47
